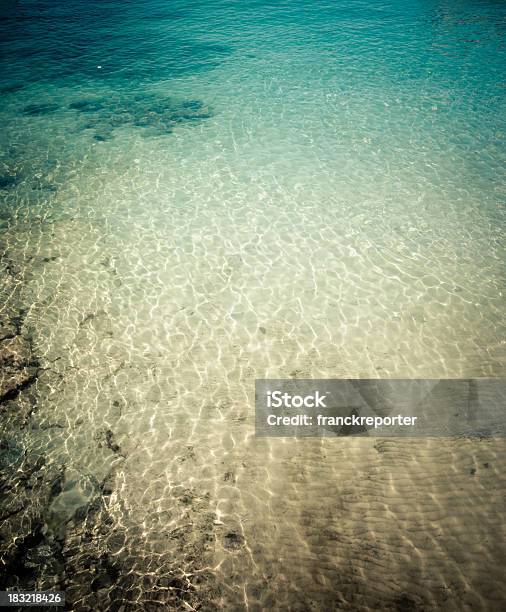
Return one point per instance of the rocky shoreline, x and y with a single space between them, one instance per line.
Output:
56 531
24 475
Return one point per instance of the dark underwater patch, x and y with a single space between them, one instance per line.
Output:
11 88
42 184
154 115
8 180
39 109
11 451
87 105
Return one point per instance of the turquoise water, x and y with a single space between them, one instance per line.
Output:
198 194
353 151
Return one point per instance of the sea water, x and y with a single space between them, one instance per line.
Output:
198 194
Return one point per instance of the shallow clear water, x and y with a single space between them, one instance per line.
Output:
198 194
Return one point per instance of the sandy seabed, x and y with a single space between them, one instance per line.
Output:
134 482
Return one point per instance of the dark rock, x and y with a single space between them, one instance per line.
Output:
78 491
18 368
44 185
11 88
194 105
39 109
7 331
155 115
106 438
8 180
233 540
18 319
11 452
111 444
14 563
404 603
86 105
107 485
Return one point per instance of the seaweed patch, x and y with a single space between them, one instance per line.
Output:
154 115
33 110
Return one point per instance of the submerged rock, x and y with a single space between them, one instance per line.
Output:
87 105
39 109
11 452
8 180
78 491
101 137
155 115
18 368
28 486
233 540
11 88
